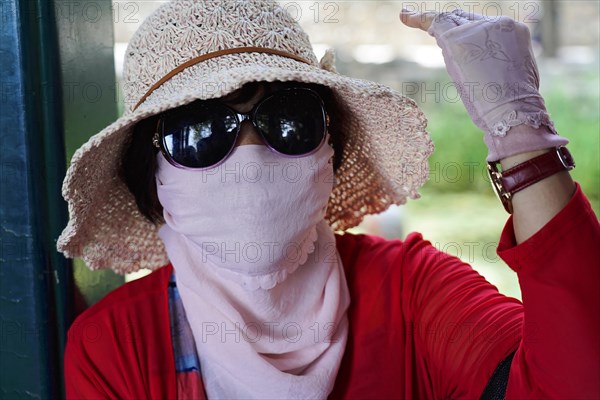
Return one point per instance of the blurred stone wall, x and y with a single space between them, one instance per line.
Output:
347 24
371 43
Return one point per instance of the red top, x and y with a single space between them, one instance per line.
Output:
423 324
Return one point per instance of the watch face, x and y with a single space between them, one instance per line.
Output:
495 179
507 183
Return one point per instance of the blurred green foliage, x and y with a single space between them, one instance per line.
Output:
458 211
458 163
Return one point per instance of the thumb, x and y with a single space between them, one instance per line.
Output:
415 19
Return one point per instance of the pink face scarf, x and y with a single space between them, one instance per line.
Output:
258 272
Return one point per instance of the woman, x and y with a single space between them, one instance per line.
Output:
240 155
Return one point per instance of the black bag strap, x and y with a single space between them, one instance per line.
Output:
496 387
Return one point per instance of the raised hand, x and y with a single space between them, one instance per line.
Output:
492 65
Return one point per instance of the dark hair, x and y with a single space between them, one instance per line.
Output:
138 160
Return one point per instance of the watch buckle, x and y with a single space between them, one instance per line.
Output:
565 157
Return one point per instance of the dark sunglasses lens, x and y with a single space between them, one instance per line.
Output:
200 136
292 121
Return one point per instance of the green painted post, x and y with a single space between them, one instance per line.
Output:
35 281
56 90
85 42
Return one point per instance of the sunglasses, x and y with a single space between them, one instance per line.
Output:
291 121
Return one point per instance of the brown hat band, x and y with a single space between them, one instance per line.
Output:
214 54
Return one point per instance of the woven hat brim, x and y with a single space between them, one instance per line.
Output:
384 158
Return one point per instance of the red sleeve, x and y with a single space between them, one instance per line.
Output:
82 381
559 275
120 348
462 327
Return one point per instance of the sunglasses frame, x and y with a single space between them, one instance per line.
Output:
158 139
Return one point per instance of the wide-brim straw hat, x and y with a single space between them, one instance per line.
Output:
190 50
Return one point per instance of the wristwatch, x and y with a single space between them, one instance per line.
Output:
507 183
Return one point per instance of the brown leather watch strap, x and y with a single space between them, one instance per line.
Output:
534 170
507 183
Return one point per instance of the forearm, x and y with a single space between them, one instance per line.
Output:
536 205
560 285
